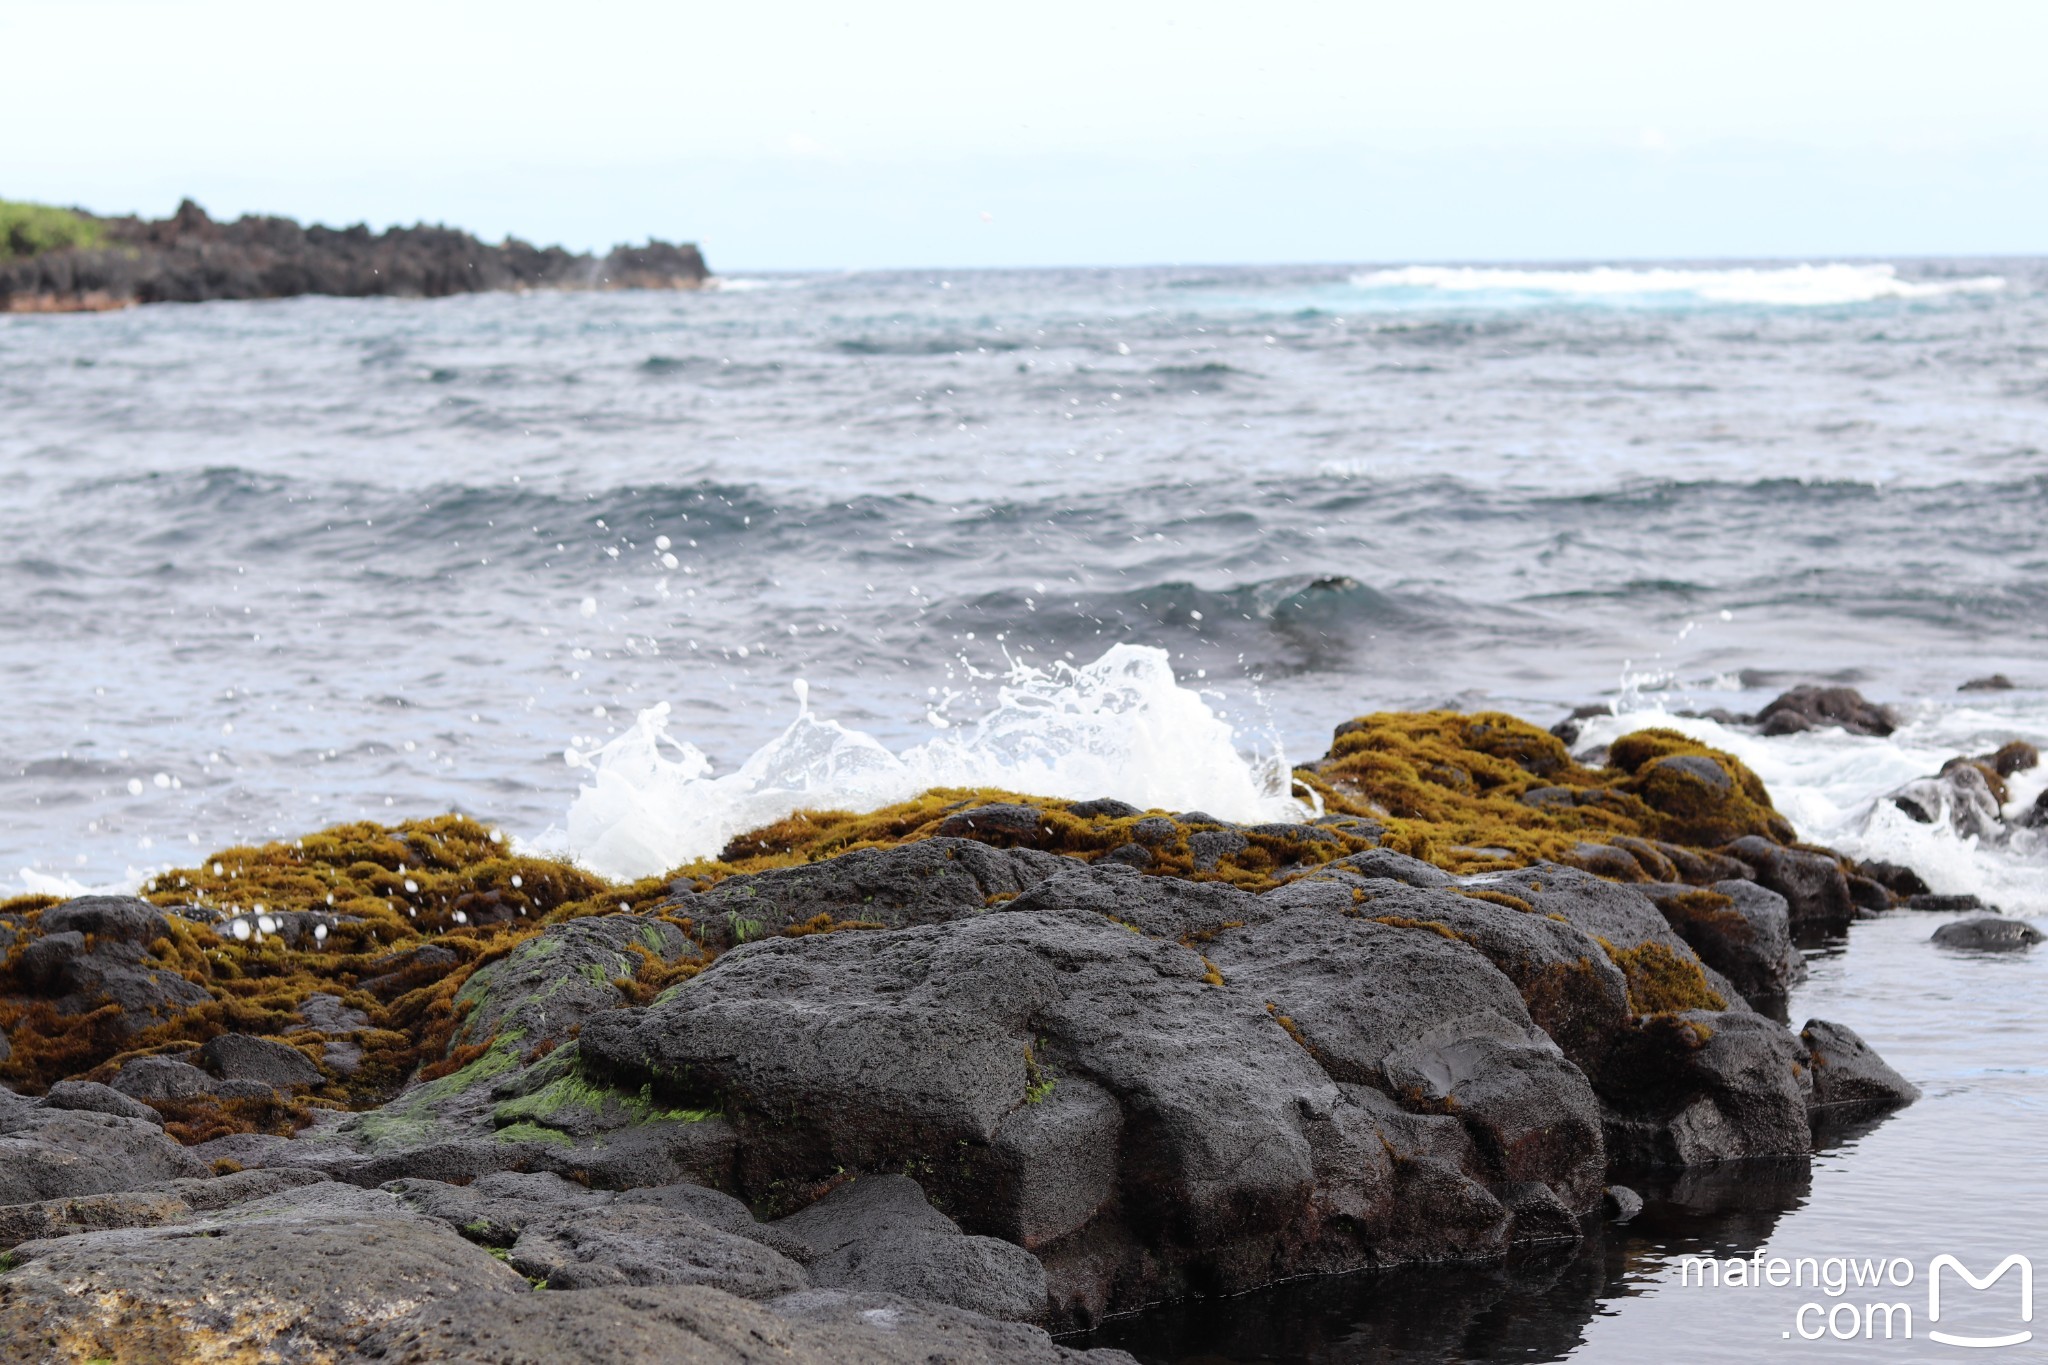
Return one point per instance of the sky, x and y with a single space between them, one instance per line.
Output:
832 136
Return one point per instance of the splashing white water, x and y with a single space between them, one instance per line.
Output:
1120 726
1831 786
1798 286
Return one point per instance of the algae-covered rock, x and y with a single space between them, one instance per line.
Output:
545 988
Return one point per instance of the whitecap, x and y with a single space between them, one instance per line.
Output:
1796 286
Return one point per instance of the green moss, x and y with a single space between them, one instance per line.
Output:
31 229
533 1132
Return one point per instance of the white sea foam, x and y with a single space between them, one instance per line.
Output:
1799 286
1121 726
1831 786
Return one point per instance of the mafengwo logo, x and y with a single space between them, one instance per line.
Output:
1881 1313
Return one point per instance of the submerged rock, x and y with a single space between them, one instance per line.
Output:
1988 934
1813 708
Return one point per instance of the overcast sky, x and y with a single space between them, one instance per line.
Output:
805 135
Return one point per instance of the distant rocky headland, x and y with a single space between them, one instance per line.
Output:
65 260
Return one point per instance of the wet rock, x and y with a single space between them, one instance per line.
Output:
1815 889
1995 682
628 1244
1742 930
1988 934
54 1153
1622 1203
272 1065
92 1097
1846 1070
879 1233
922 883
1817 708
1706 1087
294 1283
1960 797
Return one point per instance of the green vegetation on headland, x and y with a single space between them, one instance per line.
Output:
31 229
63 260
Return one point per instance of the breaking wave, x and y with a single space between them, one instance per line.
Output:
1833 786
1798 286
1121 726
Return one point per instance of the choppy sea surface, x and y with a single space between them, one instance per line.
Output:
626 573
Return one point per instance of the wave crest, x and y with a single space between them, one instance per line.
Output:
1797 286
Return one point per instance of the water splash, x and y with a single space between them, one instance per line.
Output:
1121 726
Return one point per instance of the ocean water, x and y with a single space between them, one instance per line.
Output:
626 573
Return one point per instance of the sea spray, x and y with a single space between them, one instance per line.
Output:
1121 726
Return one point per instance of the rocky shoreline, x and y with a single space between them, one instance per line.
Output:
190 258
931 1082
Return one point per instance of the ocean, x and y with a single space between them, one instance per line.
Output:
626 573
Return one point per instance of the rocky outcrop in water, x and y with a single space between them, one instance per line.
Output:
190 258
925 1082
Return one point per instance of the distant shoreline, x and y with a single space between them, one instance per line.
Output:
68 261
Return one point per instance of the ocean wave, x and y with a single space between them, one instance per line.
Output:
1798 286
1122 726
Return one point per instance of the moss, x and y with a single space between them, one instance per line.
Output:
1661 981
533 1132
32 229
1449 787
